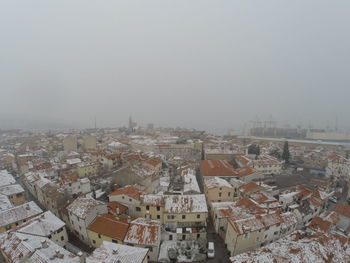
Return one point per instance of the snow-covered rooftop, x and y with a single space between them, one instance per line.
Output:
178 204
82 206
6 178
299 247
18 246
111 253
19 213
42 225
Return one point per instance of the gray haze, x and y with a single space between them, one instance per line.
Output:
203 64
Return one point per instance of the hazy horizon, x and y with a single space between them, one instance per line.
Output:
210 65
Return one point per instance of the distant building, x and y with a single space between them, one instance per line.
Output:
89 142
70 144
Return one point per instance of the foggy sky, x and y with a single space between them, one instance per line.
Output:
203 64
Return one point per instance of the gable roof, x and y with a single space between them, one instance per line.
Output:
110 252
217 168
110 226
128 190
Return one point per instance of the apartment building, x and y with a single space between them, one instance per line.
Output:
145 233
81 213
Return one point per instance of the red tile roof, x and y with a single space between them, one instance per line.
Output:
109 225
217 168
114 206
343 210
128 190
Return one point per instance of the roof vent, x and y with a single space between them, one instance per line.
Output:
44 244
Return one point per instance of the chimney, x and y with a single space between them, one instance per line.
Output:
44 244
27 206
115 251
129 219
118 211
81 257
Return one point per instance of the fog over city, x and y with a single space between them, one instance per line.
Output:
211 65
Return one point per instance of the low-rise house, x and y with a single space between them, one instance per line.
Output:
252 232
87 169
74 185
12 217
17 247
147 234
109 228
45 191
14 192
217 189
110 252
111 161
46 225
186 211
115 208
129 196
264 164
81 213
343 212
154 164
152 207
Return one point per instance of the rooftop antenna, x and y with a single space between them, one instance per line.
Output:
95 123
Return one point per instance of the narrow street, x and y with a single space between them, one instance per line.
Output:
221 252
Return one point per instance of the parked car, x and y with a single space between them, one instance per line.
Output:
211 250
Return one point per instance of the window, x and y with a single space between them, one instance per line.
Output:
138 209
99 236
147 207
129 199
258 239
183 237
229 193
183 216
158 216
62 238
198 236
123 197
170 237
151 249
114 241
158 208
199 216
219 194
245 235
93 241
275 233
